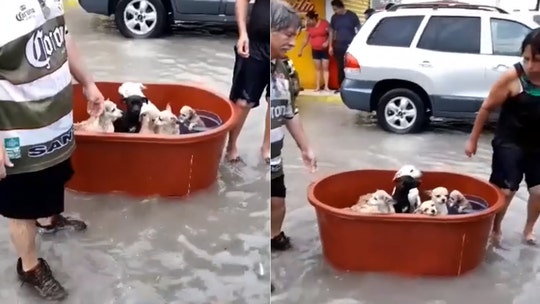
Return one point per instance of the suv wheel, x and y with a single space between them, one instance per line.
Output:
401 111
140 18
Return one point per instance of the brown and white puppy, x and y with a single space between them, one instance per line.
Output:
166 123
440 197
458 201
427 208
189 117
380 202
103 123
149 112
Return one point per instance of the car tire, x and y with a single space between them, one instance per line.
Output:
401 111
122 16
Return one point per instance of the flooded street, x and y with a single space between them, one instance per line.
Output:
205 249
348 142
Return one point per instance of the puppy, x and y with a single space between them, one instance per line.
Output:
362 200
380 203
459 202
427 208
149 112
103 123
439 196
166 123
190 118
406 193
408 170
127 89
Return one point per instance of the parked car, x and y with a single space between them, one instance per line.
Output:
417 62
151 18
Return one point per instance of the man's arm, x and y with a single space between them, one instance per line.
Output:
357 23
241 10
296 129
76 64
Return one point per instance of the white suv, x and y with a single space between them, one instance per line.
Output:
420 61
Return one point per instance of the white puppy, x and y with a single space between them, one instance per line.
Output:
380 202
408 170
103 123
127 89
439 196
149 112
427 208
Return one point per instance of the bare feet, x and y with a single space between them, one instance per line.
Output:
496 239
529 238
231 155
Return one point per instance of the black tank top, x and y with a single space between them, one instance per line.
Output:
519 119
259 21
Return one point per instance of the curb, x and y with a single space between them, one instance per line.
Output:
312 96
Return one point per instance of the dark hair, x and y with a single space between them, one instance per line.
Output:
337 3
312 15
533 40
369 11
389 5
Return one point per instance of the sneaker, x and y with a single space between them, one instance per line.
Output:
41 278
280 242
60 222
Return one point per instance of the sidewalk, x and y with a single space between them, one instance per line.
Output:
322 96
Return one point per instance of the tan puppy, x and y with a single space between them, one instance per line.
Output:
149 112
459 201
439 196
103 123
427 208
380 202
190 118
166 123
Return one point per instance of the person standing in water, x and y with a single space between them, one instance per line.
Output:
317 36
516 147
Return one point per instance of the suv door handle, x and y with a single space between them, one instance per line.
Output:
425 64
500 67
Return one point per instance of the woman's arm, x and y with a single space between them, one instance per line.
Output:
304 44
498 94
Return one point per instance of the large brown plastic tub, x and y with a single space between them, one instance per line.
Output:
406 244
144 165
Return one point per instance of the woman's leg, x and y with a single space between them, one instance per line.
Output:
496 233
533 212
326 75
318 67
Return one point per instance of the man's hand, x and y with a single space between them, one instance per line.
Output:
94 98
242 46
4 161
331 51
309 160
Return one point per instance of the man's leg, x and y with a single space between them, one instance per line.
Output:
23 237
340 60
278 191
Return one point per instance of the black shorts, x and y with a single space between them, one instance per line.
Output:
510 163
33 195
319 54
277 187
250 77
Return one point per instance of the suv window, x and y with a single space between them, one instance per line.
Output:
536 18
395 31
452 34
506 36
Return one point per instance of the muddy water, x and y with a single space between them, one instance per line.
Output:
349 141
206 249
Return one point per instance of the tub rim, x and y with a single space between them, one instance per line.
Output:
226 126
400 217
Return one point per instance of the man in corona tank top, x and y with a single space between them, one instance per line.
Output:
36 128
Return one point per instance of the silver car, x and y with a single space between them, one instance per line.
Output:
420 62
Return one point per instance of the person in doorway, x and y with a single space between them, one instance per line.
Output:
36 125
251 64
317 36
368 13
516 148
284 26
344 25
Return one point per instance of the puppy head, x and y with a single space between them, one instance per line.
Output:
381 197
131 89
186 114
134 104
148 112
111 111
166 118
406 182
456 198
427 208
409 170
439 195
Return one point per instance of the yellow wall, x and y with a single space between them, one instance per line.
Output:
304 64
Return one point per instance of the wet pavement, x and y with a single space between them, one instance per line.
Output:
205 249
350 141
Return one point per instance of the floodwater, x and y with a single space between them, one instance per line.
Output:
209 248
349 141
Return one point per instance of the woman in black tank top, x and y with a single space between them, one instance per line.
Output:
516 144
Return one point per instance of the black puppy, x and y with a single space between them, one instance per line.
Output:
130 122
404 197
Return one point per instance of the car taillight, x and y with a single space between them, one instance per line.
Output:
351 62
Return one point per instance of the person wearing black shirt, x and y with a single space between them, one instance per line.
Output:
251 70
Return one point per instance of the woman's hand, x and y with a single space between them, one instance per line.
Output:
300 53
470 147
325 44
242 46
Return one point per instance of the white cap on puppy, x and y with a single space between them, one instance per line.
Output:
408 170
127 89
